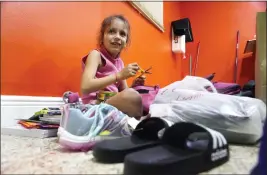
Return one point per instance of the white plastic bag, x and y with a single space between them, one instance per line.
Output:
239 119
168 93
192 83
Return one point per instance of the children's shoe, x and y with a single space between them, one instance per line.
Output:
82 126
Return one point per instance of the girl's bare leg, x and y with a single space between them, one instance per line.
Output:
129 102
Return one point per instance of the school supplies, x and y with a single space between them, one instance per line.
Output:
37 124
46 112
46 118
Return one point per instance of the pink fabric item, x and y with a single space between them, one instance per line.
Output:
147 97
111 66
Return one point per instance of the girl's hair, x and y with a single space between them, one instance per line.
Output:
106 23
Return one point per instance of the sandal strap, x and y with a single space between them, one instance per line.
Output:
149 128
178 133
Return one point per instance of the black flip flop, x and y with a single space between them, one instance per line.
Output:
144 136
178 155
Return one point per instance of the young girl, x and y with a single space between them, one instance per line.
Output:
103 69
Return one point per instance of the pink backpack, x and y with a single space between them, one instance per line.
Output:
148 94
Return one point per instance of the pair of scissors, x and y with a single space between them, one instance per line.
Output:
142 71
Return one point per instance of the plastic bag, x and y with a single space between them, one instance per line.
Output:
239 119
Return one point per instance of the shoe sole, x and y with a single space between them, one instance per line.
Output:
77 143
73 142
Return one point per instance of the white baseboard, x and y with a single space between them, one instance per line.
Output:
14 107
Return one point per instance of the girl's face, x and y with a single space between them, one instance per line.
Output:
115 37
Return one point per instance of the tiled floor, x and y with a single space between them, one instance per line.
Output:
44 156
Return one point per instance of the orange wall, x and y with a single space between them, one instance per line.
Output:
42 44
215 25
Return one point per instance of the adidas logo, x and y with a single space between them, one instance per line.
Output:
219 154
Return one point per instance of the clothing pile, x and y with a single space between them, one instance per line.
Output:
248 90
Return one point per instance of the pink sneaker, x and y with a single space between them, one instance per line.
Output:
81 125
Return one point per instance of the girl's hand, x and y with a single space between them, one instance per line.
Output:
139 81
128 71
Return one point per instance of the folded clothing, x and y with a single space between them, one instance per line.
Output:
227 88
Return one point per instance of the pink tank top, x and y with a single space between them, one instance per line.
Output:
111 66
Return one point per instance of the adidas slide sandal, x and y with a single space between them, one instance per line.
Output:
186 148
144 136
